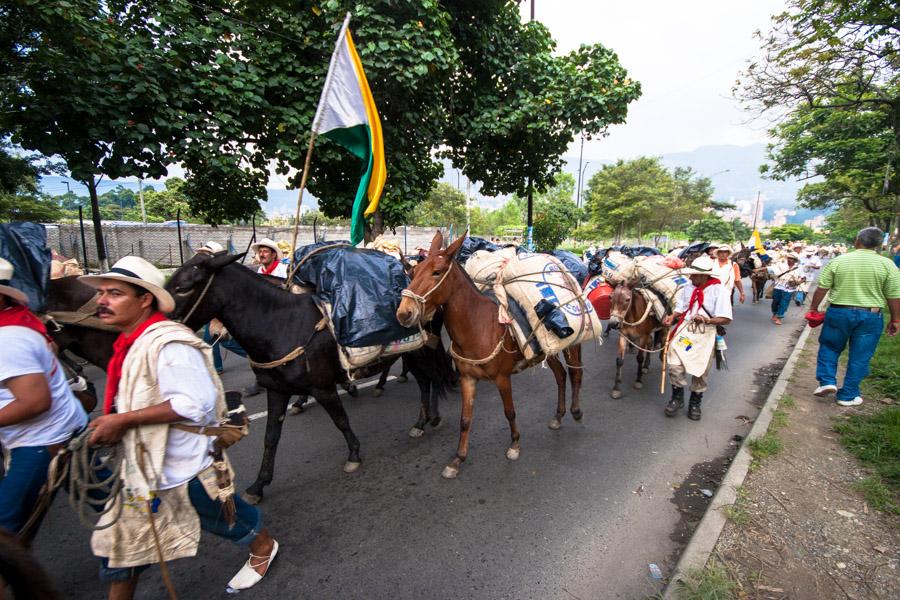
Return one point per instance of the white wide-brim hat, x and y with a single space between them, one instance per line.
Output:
266 242
725 248
137 271
702 265
6 275
212 247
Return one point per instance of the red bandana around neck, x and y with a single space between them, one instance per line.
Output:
697 297
120 350
20 316
268 270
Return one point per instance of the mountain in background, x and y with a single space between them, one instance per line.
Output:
734 171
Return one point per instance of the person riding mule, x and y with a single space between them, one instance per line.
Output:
162 394
701 306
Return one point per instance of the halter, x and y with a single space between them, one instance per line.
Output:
199 298
407 293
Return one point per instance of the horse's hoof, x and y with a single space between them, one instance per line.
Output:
645 369
353 391
554 424
415 432
436 422
638 385
616 394
351 467
449 472
377 392
402 379
295 409
577 415
512 454
252 498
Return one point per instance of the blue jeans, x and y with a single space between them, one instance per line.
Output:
230 345
862 329
248 524
780 302
21 485
799 298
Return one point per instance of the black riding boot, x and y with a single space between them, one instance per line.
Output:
676 403
694 406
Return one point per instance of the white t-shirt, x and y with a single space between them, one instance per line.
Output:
715 302
280 271
810 266
26 352
186 383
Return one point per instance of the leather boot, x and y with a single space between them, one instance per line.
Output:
694 406
676 403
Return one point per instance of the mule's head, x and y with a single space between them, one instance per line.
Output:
188 283
429 288
620 302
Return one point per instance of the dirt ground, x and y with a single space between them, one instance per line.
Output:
800 530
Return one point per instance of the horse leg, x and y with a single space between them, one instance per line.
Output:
277 404
434 408
467 387
331 402
638 383
504 384
402 378
297 407
418 430
620 360
559 373
573 358
379 387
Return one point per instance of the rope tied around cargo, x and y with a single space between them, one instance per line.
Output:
295 353
487 359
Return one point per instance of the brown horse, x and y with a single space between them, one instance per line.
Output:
483 348
631 314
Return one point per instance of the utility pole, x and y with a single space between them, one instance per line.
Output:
532 10
468 201
141 196
580 156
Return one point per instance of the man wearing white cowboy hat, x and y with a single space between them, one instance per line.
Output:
728 273
788 278
38 412
159 380
810 264
269 256
700 306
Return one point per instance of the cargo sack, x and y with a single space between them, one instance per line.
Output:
574 264
662 279
25 246
484 266
616 268
471 245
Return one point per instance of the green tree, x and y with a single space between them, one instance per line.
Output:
556 215
444 205
711 227
792 232
20 199
741 230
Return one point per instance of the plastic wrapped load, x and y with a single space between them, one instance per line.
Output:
574 264
484 266
64 268
362 288
697 248
599 294
471 245
353 358
25 246
541 283
664 281
616 268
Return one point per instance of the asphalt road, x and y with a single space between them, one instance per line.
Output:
579 516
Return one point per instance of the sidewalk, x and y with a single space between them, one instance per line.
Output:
801 526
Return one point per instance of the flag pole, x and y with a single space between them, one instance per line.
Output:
756 211
312 140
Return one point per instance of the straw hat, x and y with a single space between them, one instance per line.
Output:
725 248
211 247
791 256
702 265
267 243
137 271
6 274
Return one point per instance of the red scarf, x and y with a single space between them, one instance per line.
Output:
697 298
20 316
120 350
268 270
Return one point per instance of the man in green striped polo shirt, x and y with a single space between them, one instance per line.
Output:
862 283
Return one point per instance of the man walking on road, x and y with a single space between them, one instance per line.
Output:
861 283
161 393
788 279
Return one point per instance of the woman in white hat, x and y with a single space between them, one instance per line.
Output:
160 375
269 256
728 273
700 306
38 412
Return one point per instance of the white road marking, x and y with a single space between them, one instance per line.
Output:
265 413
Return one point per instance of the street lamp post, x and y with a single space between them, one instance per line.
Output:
581 182
578 189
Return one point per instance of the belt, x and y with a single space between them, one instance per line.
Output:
873 309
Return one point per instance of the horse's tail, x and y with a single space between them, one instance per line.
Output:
22 573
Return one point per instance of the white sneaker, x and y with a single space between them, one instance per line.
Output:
247 577
855 402
825 390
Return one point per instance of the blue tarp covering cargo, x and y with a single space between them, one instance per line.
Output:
25 246
472 245
363 288
573 263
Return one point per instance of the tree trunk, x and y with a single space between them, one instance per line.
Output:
377 227
98 229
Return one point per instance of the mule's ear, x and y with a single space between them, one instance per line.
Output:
453 248
221 261
436 243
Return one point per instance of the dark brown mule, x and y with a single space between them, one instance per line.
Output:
631 314
483 348
67 295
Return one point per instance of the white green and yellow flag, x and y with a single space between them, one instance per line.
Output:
347 115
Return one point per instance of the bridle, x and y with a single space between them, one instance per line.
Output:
407 293
198 300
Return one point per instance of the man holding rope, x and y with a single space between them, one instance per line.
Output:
700 306
161 392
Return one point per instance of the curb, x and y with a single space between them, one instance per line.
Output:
705 537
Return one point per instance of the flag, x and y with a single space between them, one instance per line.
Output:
756 243
347 116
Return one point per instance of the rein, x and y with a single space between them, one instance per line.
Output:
295 353
199 298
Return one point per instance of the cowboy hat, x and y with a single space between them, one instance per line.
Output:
791 256
137 271
725 248
211 247
702 265
6 274
267 243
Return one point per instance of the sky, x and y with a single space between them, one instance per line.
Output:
687 55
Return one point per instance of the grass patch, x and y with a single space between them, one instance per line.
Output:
764 447
884 374
713 582
877 494
875 440
737 512
779 420
787 401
